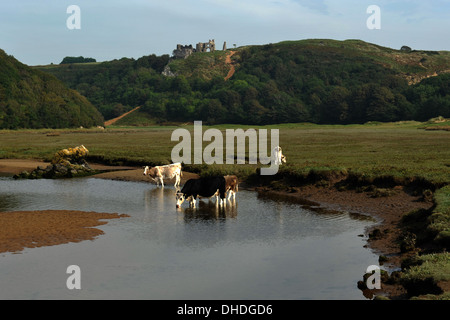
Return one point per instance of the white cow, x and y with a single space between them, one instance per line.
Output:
278 156
159 173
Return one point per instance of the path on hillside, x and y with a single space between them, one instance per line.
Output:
228 61
112 121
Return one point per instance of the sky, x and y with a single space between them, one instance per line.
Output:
36 31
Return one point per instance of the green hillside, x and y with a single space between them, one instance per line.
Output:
33 99
320 81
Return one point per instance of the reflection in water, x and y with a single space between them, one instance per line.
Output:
207 209
285 198
8 201
155 198
282 199
211 210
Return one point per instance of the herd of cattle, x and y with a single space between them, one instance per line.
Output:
202 187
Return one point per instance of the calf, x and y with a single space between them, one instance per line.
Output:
203 187
278 156
159 173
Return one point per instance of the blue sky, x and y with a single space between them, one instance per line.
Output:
35 31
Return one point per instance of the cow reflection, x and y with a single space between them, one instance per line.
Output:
156 198
209 210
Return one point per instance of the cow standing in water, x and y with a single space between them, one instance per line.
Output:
203 187
159 173
231 186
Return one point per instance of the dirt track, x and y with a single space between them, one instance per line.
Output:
232 69
112 121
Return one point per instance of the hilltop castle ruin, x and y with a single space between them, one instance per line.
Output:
182 52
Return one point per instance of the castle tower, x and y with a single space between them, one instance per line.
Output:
212 46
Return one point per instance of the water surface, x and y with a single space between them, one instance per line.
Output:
253 249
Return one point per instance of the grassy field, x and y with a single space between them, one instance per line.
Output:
398 150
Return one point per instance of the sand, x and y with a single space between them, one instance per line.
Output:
16 166
29 229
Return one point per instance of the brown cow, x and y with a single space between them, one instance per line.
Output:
231 185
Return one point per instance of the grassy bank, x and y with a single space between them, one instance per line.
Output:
401 151
427 275
378 154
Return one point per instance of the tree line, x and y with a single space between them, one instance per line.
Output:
79 59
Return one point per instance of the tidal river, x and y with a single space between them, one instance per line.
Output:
254 248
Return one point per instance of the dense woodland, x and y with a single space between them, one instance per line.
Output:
275 83
33 99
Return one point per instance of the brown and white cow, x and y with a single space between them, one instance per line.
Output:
159 173
231 186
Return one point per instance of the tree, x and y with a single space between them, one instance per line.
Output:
255 112
212 111
181 85
381 105
335 109
434 107
178 109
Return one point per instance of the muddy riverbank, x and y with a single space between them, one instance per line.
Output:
30 229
